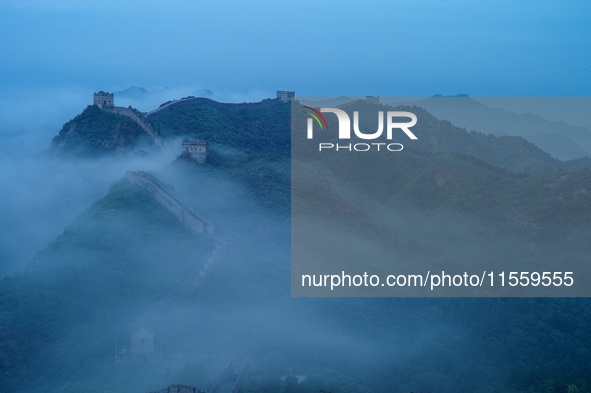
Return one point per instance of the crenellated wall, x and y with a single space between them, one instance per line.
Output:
141 120
178 389
167 198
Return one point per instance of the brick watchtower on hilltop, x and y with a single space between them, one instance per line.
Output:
102 99
372 100
285 96
196 149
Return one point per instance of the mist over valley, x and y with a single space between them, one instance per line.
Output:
95 260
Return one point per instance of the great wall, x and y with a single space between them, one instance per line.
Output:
189 218
171 201
199 224
239 370
141 121
217 246
106 103
170 104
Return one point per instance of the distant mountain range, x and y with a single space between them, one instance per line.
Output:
561 140
139 93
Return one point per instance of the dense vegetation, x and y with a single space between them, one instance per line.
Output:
535 206
88 285
252 128
94 132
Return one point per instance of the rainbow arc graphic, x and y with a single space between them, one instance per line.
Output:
316 117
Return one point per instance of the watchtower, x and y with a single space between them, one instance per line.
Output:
285 96
102 99
142 342
372 100
196 149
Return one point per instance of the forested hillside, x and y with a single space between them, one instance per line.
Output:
94 133
262 128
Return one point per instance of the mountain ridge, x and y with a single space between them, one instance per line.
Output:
467 112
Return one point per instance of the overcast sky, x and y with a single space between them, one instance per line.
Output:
317 48
56 53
